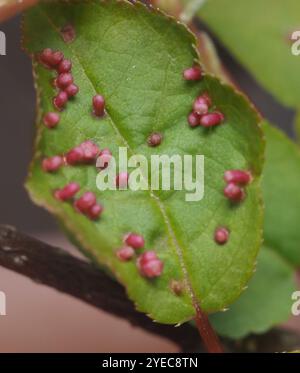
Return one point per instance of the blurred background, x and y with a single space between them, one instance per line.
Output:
40 319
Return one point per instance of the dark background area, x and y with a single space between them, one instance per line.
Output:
17 106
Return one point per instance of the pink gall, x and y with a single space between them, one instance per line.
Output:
103 159
211 119
64 80
193 73
98 105
234 193
136 241
52 164
65 66
67 192
125 253
150 265
122 180
221 235
60 100
51 119
202 104
72 90
154 139
194 119
95 211
237 177
85 202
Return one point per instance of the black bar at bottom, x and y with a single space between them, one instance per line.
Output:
135 362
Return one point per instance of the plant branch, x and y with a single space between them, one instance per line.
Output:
56 268
9 9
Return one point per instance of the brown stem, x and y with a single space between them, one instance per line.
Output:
208 335
56 268
9 9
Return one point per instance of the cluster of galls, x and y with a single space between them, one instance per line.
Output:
148 263
86 204
236 180
55 60
84 153
201 116
65 83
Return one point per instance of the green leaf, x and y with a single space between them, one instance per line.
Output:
135 58
281 182
266 302
258 34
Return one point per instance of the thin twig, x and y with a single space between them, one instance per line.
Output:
56 268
